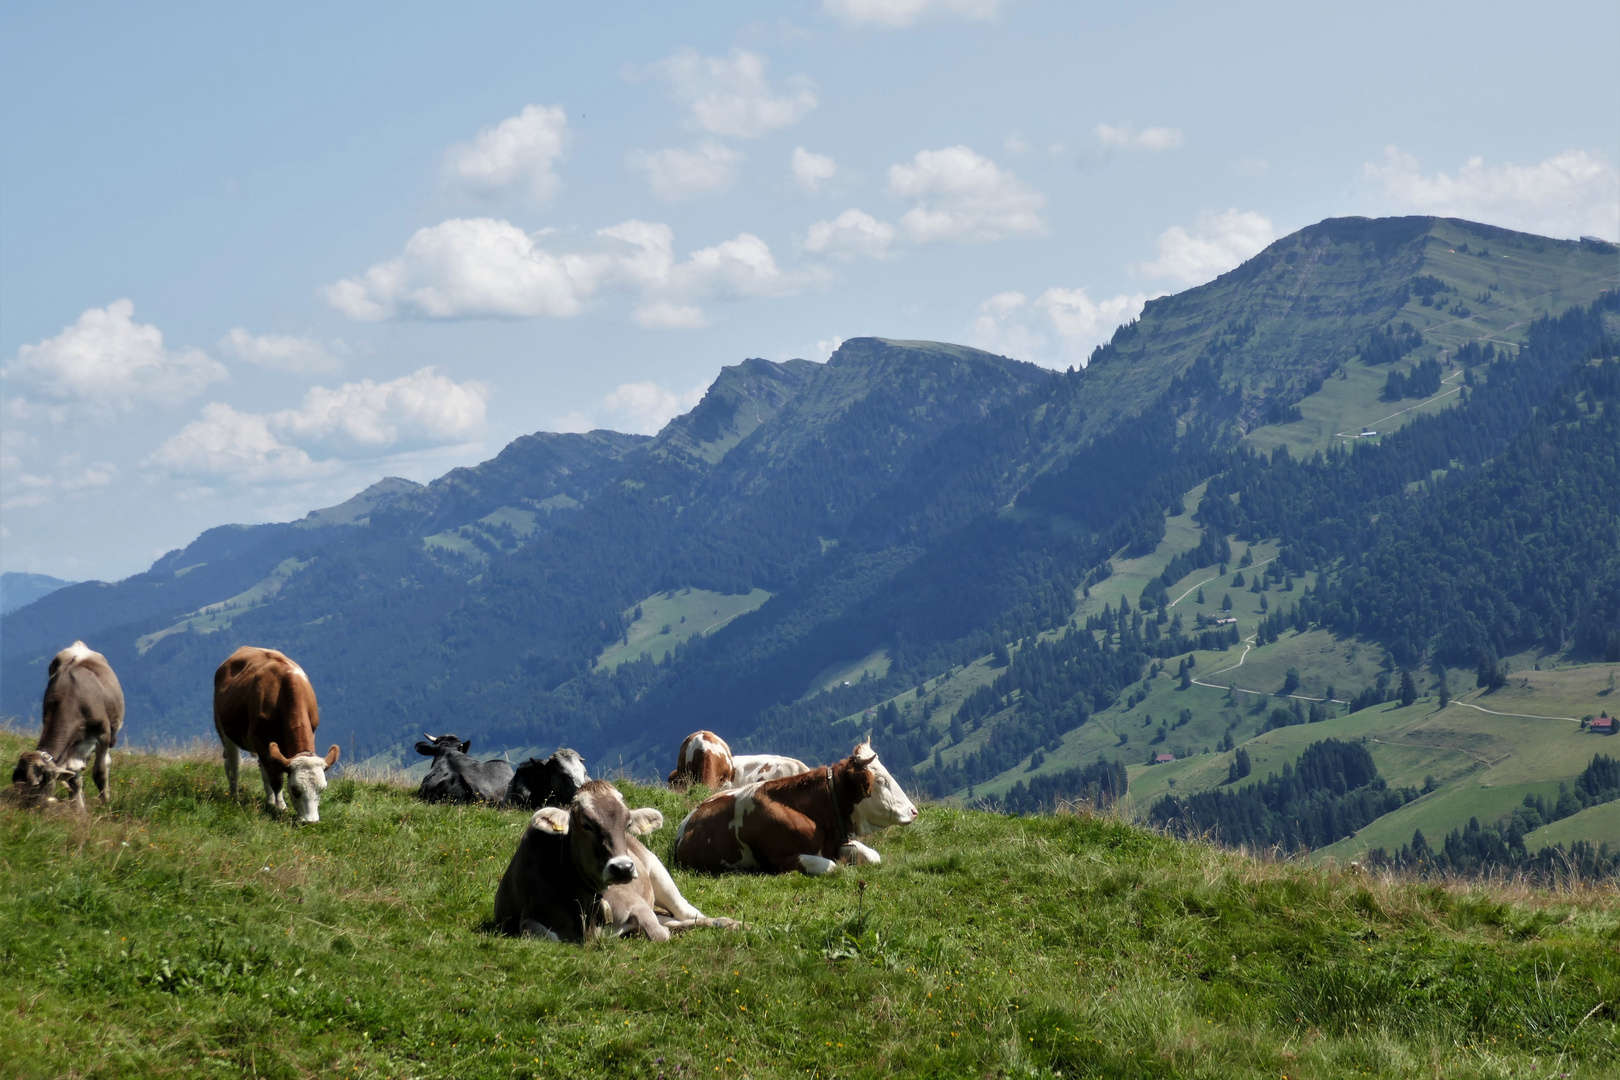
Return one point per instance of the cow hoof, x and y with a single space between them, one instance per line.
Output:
532 929
722 923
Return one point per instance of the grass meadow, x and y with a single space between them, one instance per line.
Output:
179 934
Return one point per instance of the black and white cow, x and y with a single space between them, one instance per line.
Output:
582 870
82 712
457 778
553 781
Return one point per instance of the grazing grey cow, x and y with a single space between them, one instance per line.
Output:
457 778
553 781
82 712
581 870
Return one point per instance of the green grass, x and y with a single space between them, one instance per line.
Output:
179 934
213 617
668 618
1597 823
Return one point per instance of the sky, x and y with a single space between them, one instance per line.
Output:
254 258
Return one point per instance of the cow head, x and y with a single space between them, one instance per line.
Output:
553 781
884 801
439 744
34 780
598 825
306 779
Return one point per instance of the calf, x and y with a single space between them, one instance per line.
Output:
704 758
81 715
454 777
581 870
264 704
805 822
552 782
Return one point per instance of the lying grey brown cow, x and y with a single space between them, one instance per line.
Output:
81 715
807 822
582 871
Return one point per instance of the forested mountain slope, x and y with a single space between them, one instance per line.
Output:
930 514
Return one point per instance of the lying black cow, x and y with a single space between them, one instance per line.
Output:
553 781
457 778
582 871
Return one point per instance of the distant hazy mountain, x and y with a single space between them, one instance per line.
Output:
17 590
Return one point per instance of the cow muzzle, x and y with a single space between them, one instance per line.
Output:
620 869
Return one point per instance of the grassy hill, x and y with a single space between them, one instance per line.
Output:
181 935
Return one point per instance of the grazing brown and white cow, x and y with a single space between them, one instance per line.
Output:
82 712
806 822
264 704
704 758
582 869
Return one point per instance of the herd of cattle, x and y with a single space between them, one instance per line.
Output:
580 866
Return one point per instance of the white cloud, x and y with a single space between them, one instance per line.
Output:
899 13
470 267
483 268
1126 137
238 446
641 408
730 95
961 196
812 170
676 173
1059 328
71 475
356 420
515 158
294 355
106 361
1569 194
852 234
1215 244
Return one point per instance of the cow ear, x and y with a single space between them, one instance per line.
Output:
863 753
466 746
332 755
426 749
278 757
646 820
552 819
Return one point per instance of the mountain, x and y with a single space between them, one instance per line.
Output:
986 563
18 590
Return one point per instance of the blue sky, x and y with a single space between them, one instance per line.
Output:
251 260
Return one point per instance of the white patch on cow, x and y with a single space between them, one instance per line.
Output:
887 805
78 651
754 768
816 866
79 755
571 763
306 779
859 853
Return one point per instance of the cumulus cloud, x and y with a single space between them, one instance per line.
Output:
356 420
469 267
106 361
681 173
901 13
1060 327
514 159
1569 194
293 355
812 171
1215 244
641 408
962 196
1126 137
464 269
852 234
730 95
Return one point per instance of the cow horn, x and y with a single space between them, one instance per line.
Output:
278 757
428 737
332 755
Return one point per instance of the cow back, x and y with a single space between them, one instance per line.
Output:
261 697
83 701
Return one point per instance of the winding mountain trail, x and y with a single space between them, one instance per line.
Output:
1207 580
1454 390
1520 715
1248 643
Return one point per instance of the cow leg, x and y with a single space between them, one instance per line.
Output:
233 764
103 772
858 853
272 786
532 928
665 893
815 865
75 783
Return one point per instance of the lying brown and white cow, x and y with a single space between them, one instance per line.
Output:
81 715
264 704
806 822
580 870
705 758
